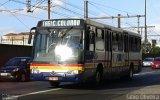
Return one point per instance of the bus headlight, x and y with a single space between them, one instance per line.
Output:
74 72
16 69
64 52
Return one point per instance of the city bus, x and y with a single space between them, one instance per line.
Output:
83 50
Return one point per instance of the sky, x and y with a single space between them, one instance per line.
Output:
15 19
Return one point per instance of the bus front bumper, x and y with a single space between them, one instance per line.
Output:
57 77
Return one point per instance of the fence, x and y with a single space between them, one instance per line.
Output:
13 41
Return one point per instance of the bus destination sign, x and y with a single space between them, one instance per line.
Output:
49 23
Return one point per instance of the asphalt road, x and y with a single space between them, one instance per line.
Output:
144 86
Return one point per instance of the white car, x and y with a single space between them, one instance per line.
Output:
147 61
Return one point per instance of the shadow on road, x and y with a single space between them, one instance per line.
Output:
137 82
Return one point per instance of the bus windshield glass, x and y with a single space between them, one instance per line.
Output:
58 45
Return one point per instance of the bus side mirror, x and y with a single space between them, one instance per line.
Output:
30 35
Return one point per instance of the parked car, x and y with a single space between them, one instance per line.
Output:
156 63
147 61
16 68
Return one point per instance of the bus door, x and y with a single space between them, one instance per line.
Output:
100 46
118 59
126 49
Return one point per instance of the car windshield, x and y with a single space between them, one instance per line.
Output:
157 59
15 62
148 59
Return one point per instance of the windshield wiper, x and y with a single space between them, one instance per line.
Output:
62 34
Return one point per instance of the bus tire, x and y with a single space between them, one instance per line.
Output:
130 74
54 84
99 77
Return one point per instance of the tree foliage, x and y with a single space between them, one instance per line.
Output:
155 50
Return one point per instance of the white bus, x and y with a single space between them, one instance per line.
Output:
78 50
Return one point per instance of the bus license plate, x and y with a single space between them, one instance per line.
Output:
3 74
53 78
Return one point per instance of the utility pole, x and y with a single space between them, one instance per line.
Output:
49 7
119 21
140 27
85 9
112 17
28 5
138 24
145 39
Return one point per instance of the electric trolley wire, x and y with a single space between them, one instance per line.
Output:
106 6
58 13
102 5
18 19
79 8
38 4
97 7
4 3
70 11
22 14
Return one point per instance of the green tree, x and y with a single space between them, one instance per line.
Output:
146 48
155 50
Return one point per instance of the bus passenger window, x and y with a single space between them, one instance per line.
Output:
92 37
91 41
100 40
115 42
125 43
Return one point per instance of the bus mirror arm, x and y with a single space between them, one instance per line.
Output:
30 35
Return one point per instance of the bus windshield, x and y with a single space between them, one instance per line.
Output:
58 45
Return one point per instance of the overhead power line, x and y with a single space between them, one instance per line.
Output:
4 3
79 8
112 17
9 11
18 18
106 6
97 7
42 8
70 11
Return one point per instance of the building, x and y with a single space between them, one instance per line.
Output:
16 39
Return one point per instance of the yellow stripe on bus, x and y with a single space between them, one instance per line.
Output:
57 67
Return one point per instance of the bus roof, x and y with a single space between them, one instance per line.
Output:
80 23
101 25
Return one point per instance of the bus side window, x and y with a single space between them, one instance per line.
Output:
100 40
107 39
139 44
91 41
120 42
126 43
87 38
130 43
115 39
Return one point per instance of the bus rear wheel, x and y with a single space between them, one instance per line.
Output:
98 78
130 74
54 84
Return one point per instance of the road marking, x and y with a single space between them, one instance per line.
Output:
32 93
145 73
